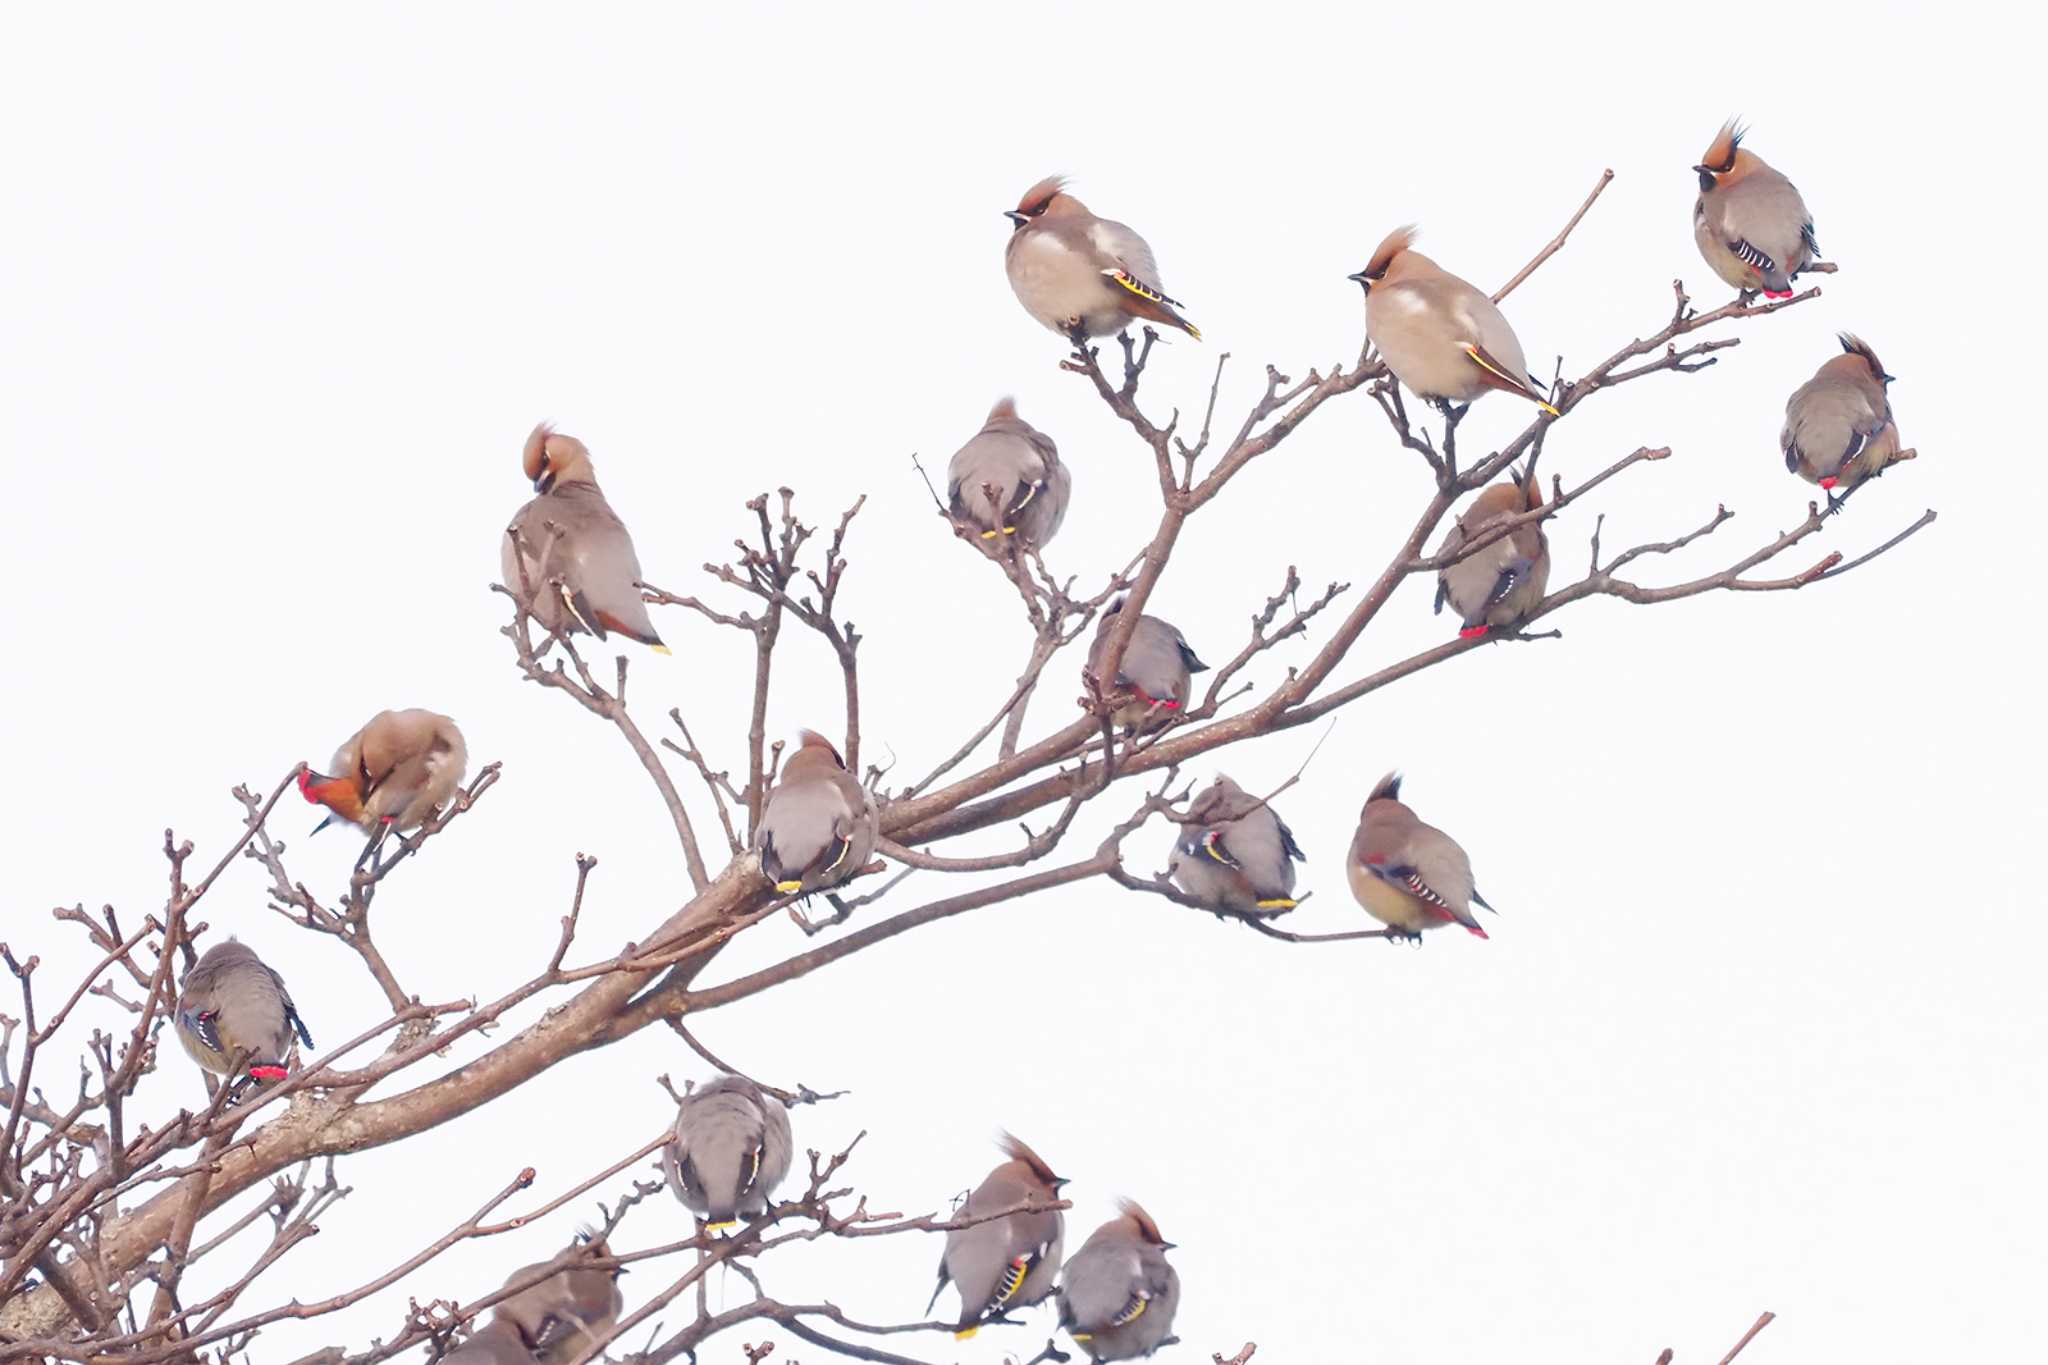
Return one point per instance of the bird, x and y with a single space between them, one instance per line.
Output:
1235 853
1751 225
1499 584
393 774
1440 336
1080 275
818 827
1838 424
1157 670
731 1149
560 1318
1008 480
497 1342
1008 1262
1118 1294
567 558
1408 875
234 1014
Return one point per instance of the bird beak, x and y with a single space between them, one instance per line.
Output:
1059 1185
1357 278
1019 219
1169 1246
1703 170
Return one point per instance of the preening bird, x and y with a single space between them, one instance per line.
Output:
235 1015
1497 585
1408 875
1119 1293
1235 852
1071 269
1009 480
1441 337
567 556
1008 1262
561 1317
1157 670
818 827
392 774
1838 424
1751 225
731 1149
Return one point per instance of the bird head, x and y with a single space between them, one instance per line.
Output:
552 458
1398 241
1856 346
343 797
1048 196
1724 155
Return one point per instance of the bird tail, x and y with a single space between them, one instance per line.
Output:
1142 300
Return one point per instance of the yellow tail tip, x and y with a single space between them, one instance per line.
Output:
988 535
787 887
1277 903
1082 1336
661 649
1547 408
1193 330
964 1333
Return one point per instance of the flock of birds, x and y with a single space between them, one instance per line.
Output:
569 561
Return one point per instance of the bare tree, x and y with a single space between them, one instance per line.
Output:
107 1209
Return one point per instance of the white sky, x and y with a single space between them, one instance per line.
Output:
1760 1024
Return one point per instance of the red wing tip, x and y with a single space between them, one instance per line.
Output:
1470 632
1475 931
1828 482
267 1073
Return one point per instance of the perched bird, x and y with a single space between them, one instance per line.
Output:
234 1013
1751 225
1838 424
818 827
1158 670
567 556
394 773
1235 852
1408 875
1072 270
732 1148
1008 1262
1009 480
1440 336
497 1342
1499 584
1119 1293
560 1318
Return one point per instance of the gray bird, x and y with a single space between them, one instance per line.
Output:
571 550
1071 269
731 1149
1498 585
1408 875
818 827
497 1342
234 1013
1118 1294
1156 671
1235 852
1008 1262
1749 221
1009 480
1838 424
393 774
560 1318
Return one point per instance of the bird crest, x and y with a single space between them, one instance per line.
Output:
1387 788
1398 241
1039 197
1015 1148
1720 155
1141 1220
1857 346
1005 410
811 739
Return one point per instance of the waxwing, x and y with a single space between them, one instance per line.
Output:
818 827
567 557
560 1318
393 774
731 1149
1235 853
1009 480
1071 269
1008 1262
234 1014
1118 1294
1408 875
1751 225
1838 424
1499 584
1157 670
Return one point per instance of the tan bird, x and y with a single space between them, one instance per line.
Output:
1157 670
1119 1293
1008 1262
732 1147
235 1015
1751 225
1441 337
1073 270
1009 480
1408 875
393 774
1838 424
1497 585
818 827
1235 853
497 1342
560 1318
571 551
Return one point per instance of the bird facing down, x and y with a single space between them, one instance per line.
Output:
1235 853
1008 1262
1008 480
1749 221
1497 585
818 827
497 1342
560 1318
731 1149
394 773
1441 337
1157 670
234 1013
1838 424
1073 270
1408 875
1119 1293
567 557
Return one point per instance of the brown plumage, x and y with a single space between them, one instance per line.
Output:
818 827
1008 1262
1498 585
567 555
1071 269
1009 480
560 1318
1119 1294
1749 222
393 774
1408 875
235 1013
1155 676
1838 425
1235 852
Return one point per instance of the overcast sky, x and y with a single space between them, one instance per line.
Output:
1760 1022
